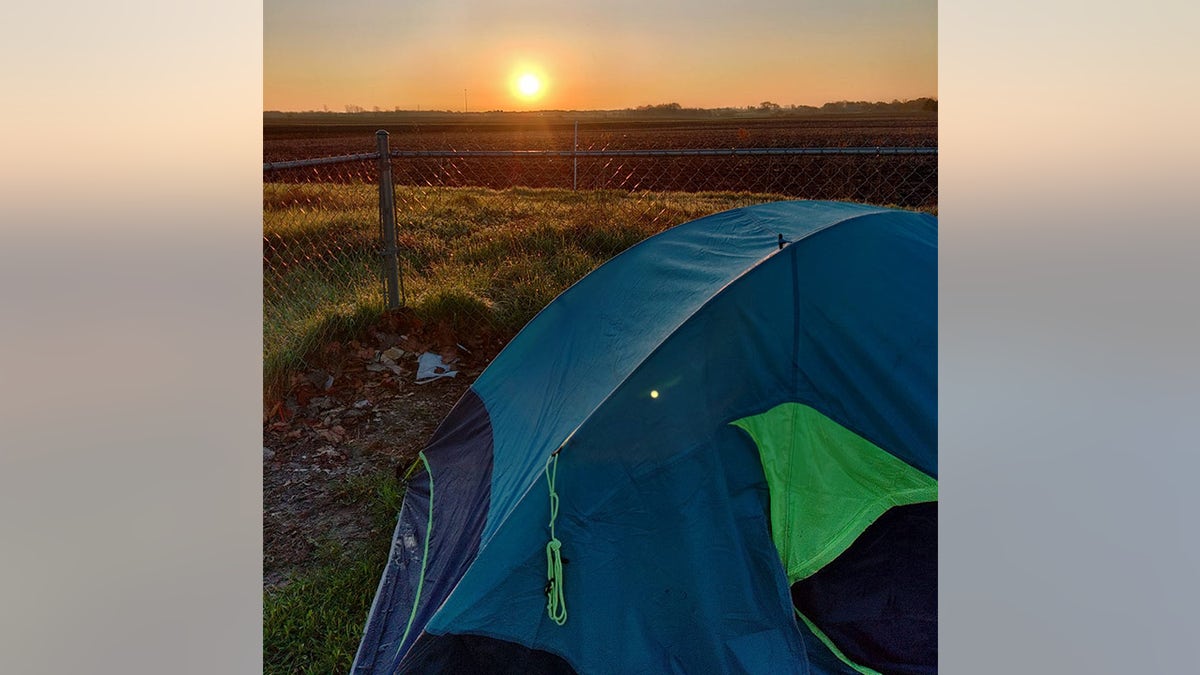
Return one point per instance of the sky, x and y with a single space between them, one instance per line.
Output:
594 55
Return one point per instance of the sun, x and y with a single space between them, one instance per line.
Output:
529 85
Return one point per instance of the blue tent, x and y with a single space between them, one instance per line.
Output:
716 453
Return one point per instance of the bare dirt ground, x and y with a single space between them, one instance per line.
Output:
355 411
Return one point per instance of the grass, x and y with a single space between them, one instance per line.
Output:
477 259
321 270
313 624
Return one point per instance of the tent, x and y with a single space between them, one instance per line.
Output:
716 453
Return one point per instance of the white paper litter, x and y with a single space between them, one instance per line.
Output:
430 367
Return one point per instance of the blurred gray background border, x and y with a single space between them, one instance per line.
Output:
130 337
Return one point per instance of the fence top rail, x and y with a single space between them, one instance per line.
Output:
678 152
319 161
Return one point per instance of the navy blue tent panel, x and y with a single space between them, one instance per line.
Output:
416 582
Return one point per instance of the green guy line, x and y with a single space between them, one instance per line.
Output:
424 556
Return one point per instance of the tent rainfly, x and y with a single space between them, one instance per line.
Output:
716 453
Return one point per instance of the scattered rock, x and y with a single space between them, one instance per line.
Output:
268 454
363 404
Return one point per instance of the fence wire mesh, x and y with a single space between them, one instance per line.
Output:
490 227
321 246
874 176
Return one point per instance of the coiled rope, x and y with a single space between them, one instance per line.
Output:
556 602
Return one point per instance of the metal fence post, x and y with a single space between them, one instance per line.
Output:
387 218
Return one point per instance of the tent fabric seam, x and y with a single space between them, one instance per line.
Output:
795 379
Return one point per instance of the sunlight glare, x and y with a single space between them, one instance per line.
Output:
529 85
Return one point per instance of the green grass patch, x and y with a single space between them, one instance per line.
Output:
313 624
378 492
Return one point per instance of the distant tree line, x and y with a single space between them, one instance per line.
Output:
915 105
674 110
895 105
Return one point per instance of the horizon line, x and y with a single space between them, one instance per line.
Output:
659 108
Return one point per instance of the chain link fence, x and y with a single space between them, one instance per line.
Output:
486 235
321 244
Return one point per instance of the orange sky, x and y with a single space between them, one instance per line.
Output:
597 55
